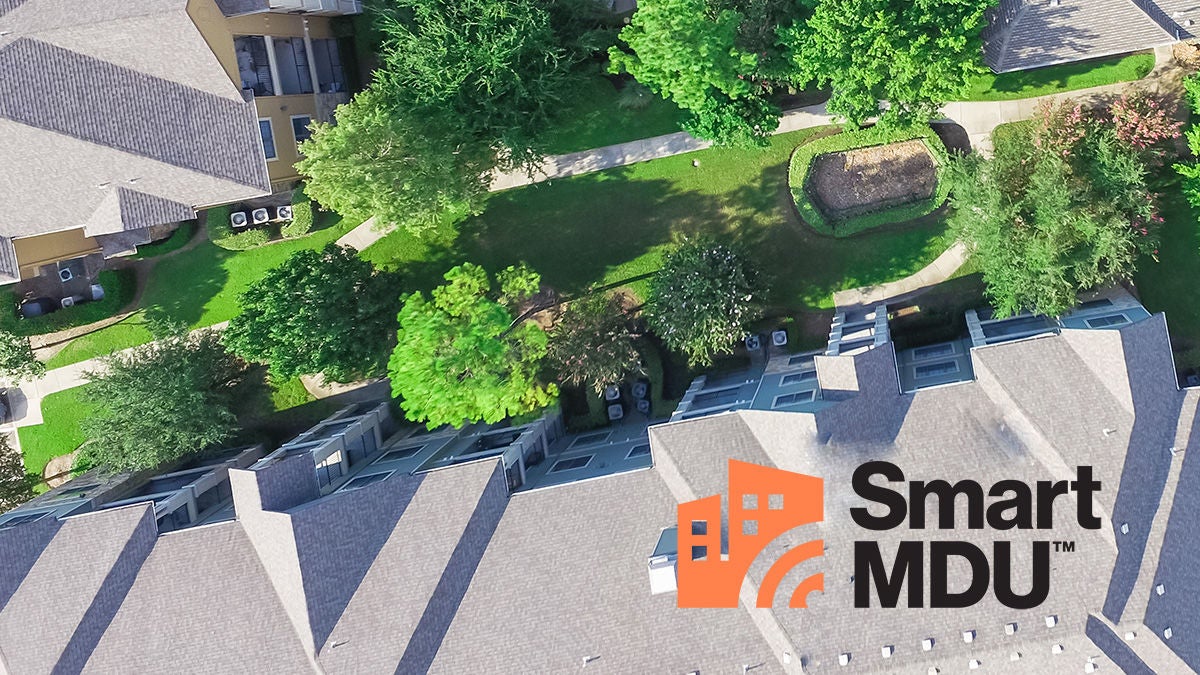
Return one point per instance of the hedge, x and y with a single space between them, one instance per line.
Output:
221 233
802 160
178 239
302 215
119 288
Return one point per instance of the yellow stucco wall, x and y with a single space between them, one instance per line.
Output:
219 32
33 252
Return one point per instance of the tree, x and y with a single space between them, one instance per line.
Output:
327 312
915 54
461 356
1061 207
379 160
702 298
160 402
591 344
689 51
16 486
17 361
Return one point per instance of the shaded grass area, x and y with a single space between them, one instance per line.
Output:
615 225
178 239
198 289
1065 77
594 118
119 288
60 434
1169 285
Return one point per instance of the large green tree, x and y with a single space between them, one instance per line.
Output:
160 402
702 298
1062 206
915 54
16 486
17 361
717 60
328 312
465 354
382 160
591 344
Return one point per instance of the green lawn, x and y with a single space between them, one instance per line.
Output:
613 226
1055 79
592 118
199 288
178 239
60 434
1169 285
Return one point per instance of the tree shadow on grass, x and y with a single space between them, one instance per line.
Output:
181 286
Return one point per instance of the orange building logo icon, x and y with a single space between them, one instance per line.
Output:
764 502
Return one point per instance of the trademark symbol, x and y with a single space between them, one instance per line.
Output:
1064 547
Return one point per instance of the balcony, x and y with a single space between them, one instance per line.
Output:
319 7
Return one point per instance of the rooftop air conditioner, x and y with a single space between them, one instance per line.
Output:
68 302
238 219
283 212
65 274
260 216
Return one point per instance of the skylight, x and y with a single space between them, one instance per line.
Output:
364 481
570 464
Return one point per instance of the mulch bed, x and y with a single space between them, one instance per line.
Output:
863 180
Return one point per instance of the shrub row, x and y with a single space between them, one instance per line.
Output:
802 161
221 233
119 289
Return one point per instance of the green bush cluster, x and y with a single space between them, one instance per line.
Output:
221 233
802 161
119 289
302 215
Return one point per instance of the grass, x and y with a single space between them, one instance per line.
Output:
1169 284
802 162
1065 77
614 226
119 289
178 239
198 289
593 118
61 433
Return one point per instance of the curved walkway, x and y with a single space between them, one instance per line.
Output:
941 269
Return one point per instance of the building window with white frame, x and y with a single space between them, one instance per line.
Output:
300 128
268 137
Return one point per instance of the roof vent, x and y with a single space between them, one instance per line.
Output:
1015 656
1168 633
933 670
1055 3
927 644
844 659
1056 649
887 651
1052 621
1160 589
1109 432
1129 635
589 659
968 636
1090 666
662 562
974 664
1010 628
1124 528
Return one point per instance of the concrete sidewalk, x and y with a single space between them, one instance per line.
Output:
932 274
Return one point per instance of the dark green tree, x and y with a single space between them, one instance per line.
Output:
591 344
328 312
17 361
465 354
16 486
702 298
915 54
160 402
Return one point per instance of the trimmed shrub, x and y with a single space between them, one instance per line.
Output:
119 289
302 215
221 233
803 158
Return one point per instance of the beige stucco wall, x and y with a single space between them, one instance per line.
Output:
280 109
33 252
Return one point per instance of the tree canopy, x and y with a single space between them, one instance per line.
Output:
17 361
915 54
327 312
462 355
591 344
702 298
160 402
1061 207
16 486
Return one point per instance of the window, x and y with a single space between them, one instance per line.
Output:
300 128
398 454
328 59
330 469
268 137
1094 304
933 351
935 369
717 397
1108 320
797 378
570 464
793 399
591 439
801 359
364 481
291 60
638 451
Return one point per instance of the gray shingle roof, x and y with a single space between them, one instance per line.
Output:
1033 33
122 116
